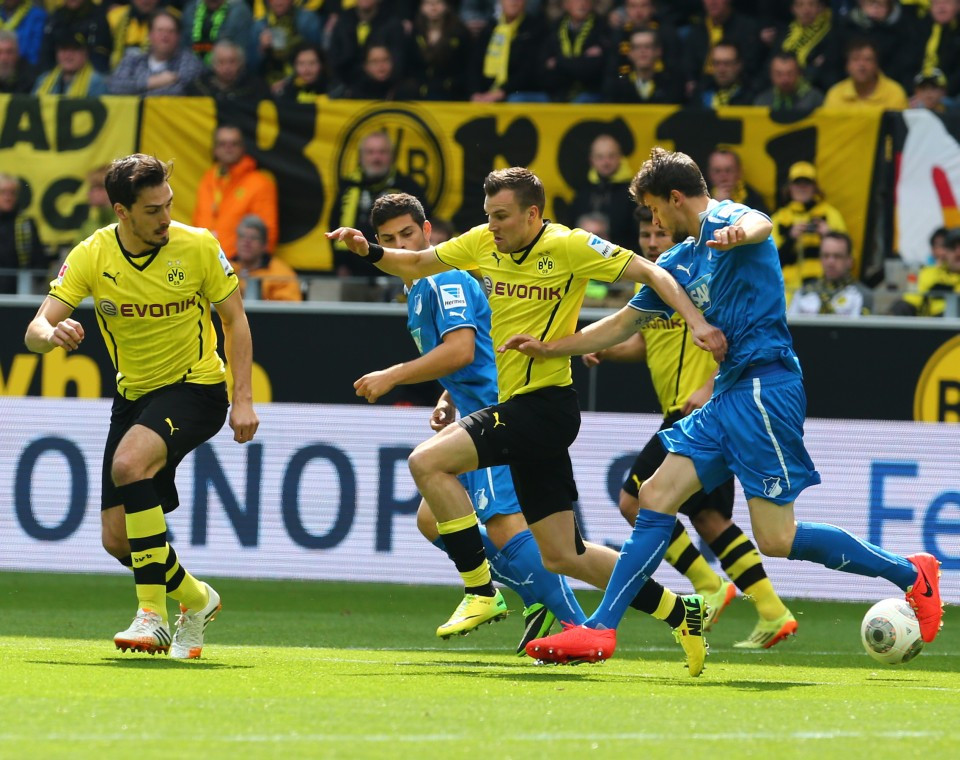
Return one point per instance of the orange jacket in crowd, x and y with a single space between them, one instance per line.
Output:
278 282
222 201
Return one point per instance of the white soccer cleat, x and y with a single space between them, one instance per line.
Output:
147 633
188 637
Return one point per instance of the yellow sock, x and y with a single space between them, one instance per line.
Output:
769 606
667 602
461 538
688 560
146 530
743 564
182 586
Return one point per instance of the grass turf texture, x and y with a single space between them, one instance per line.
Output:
355 671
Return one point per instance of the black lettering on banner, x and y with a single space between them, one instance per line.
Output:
785 149
302 199
617 474
68 109
208 472
23 124
482 145
698 132
290 496
387 503
51 213
23 481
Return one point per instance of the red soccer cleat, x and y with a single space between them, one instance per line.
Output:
573 645
924 595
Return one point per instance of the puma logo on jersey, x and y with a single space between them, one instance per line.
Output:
496 421
112 276
462 314
685 269
170 423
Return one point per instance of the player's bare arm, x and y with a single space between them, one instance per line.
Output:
52 327
444 412
750 228
608 331
411 265
453 354
633 349
705 335
238 346
699 397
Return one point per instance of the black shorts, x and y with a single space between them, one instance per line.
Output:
184 415
532 433
652 456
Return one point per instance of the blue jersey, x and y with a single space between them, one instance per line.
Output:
451 301
740 291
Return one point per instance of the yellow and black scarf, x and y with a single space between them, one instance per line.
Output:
496 61
801 40
77 88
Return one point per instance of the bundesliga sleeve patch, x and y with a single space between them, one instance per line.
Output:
61 273
601 246
453 297
225 263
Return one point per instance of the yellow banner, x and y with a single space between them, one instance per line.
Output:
53 143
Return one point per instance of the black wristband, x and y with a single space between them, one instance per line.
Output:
375 253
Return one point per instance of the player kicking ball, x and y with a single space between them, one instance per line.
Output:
751 427
153 281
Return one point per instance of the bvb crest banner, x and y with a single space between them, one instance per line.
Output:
52 144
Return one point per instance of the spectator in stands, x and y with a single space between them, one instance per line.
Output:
892 32
79 19
598 224
476 14
933 283
800 225
233 188
789 91
20 246
726 86
607 192
376 175
938 246
27 20
278 282
641 15
208 22
938 43
164 68
355 30
575 53
16 75
504 68
442 231
930 92
228 79
725 175
309 77
378 81
812 36
101 209
865 85
283 29
720 23
130 27
439 46
836 292
647 80
73 75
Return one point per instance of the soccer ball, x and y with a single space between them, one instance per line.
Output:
890 632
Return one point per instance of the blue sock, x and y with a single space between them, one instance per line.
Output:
639 558
549 589
500 568
837 549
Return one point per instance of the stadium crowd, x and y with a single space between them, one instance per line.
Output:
780 55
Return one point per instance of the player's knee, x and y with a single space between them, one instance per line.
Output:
126 469
629 506
422 463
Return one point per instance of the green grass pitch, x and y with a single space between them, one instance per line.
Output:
336 670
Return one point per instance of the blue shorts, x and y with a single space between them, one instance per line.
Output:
491 492
753 430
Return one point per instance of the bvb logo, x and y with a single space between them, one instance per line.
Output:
417 152
175 275
937 397
545 265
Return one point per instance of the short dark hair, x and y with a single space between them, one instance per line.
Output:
643 215
526 186
940 232
860 43
392 205
127 176
785 55
170 15
666 171
837 235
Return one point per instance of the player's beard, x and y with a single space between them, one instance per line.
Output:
154 238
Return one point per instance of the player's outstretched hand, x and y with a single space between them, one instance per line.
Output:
590 360
243 421
711 339
353 239
525 344
68 335
443 414
727 237
374 385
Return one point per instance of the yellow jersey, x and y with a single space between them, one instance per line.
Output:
153 308
677 365
538 291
